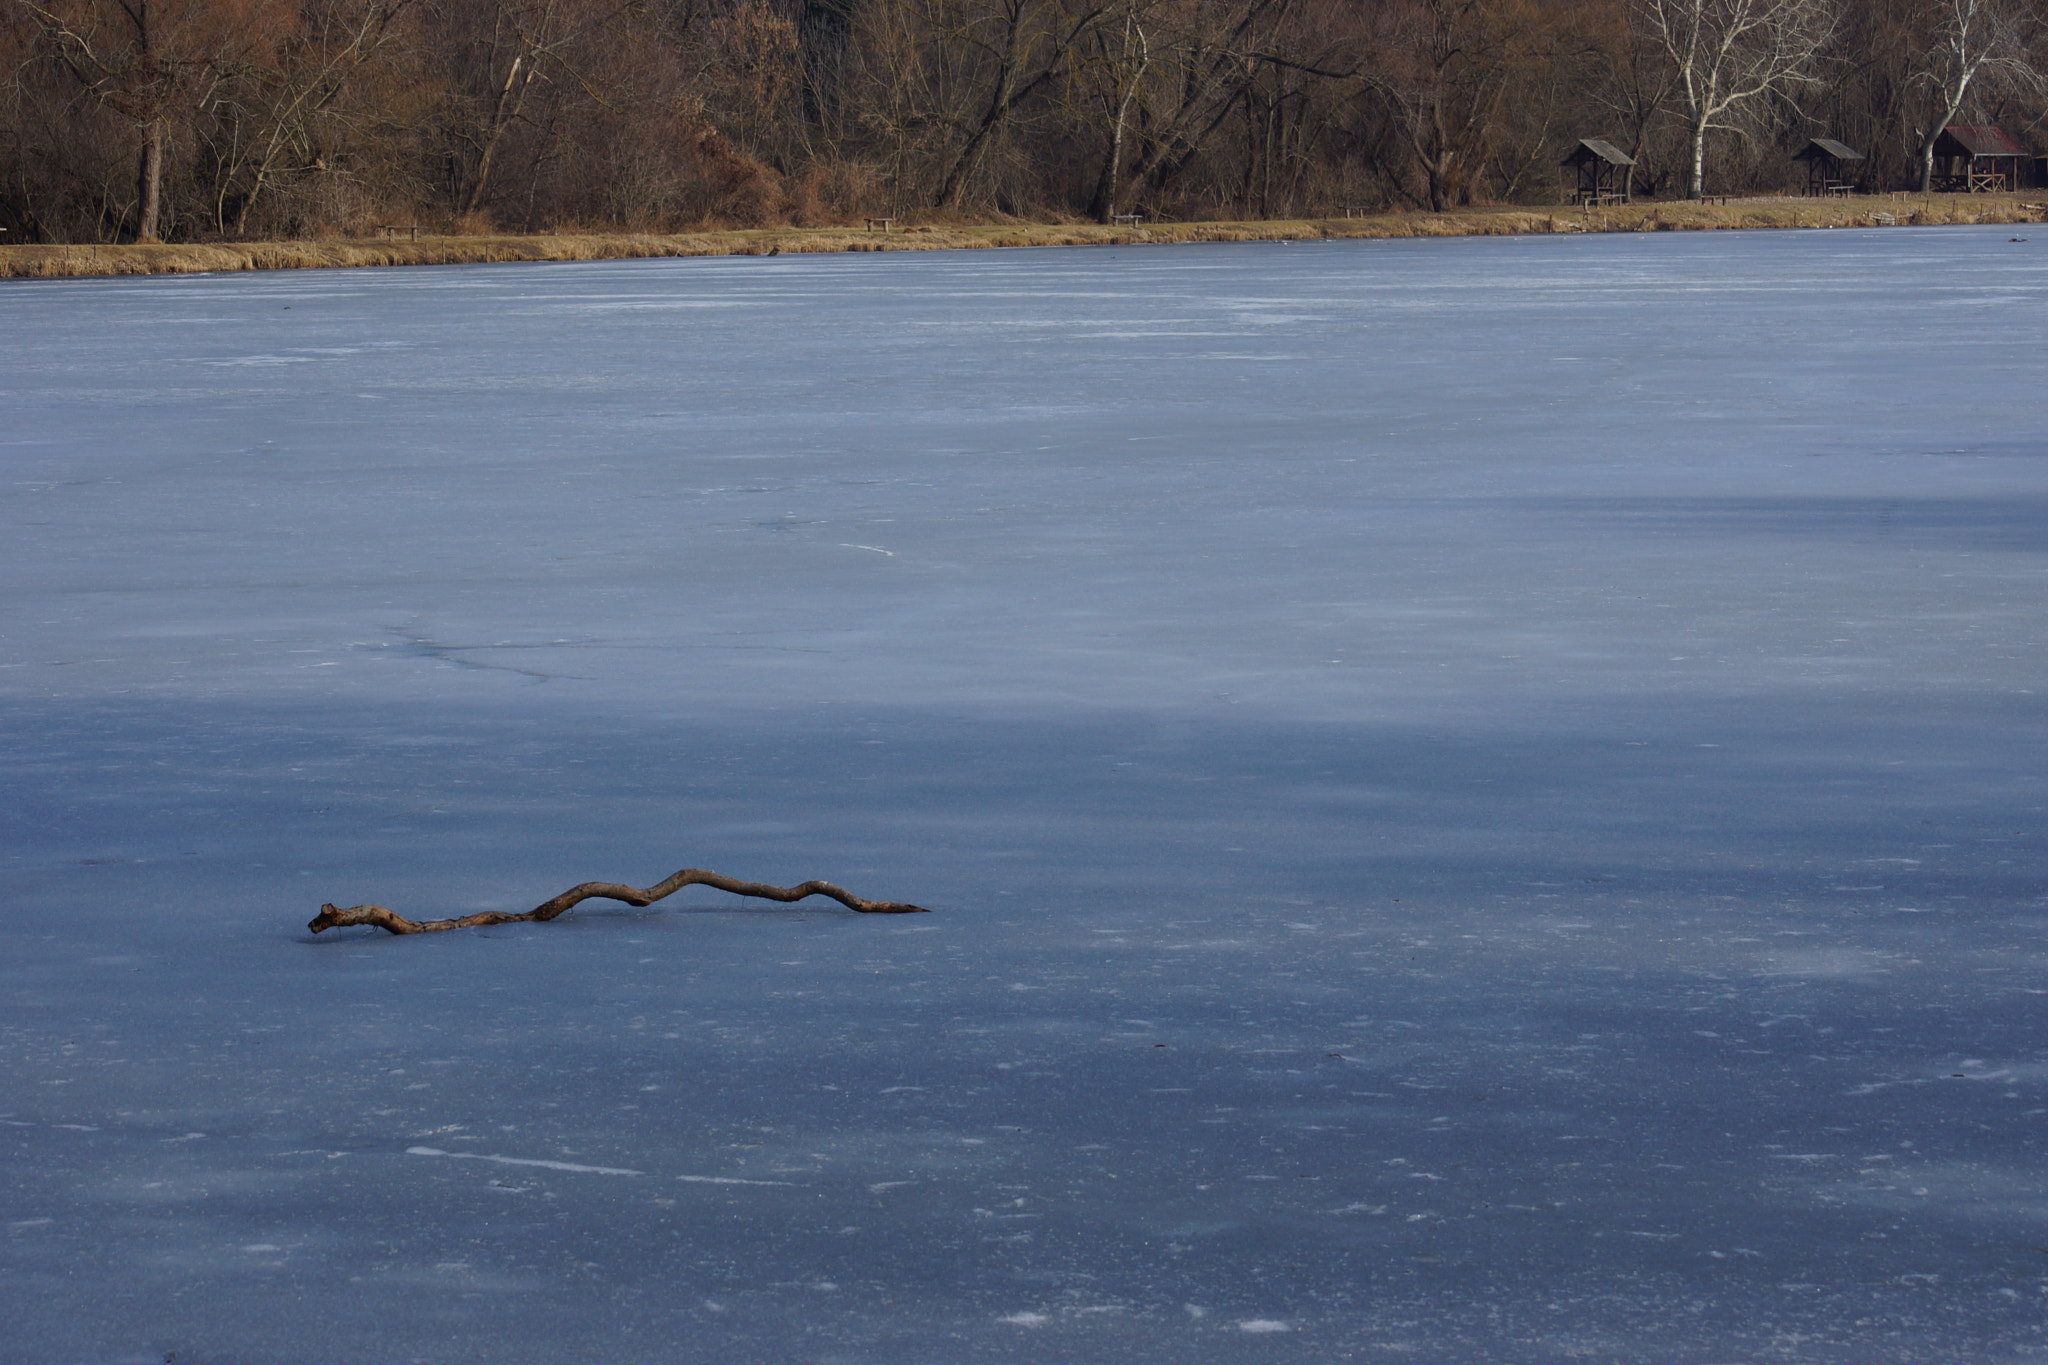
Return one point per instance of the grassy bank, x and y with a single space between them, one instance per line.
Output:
21 262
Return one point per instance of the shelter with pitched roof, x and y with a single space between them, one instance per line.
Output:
1597 172
1976 159
1828 165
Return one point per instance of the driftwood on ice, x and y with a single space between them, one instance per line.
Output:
336 917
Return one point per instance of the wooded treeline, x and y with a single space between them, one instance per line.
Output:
207 119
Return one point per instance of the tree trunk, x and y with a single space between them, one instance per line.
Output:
501 118
248 205
1444 164
149 181
256 184
1948 116
1103 207
1167 151
954 187
1696 181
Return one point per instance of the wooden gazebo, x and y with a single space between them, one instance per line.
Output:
1597 172
1975 159
1827 166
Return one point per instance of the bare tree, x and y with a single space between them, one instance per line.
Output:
1638 87
1976 43
1731 56
1209 58
758 83
1445 69
533 43
125 118
299 82
142 58
1302 66
1030 46
1123 57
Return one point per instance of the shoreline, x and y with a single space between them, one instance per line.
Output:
1890 210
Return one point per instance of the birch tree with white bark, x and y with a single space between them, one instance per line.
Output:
1122 59
1976 44
1730 57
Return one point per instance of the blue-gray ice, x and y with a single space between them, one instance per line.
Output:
1483 799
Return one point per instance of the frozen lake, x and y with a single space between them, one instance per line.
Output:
1482 798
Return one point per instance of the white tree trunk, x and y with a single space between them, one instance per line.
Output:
1730 57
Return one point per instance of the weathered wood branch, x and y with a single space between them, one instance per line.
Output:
335 917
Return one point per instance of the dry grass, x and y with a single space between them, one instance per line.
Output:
1873 211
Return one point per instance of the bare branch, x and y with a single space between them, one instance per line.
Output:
334 917
1730 55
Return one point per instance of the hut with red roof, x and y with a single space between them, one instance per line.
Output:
1976 159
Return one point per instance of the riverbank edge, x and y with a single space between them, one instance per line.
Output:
61 262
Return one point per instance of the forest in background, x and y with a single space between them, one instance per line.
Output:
212 120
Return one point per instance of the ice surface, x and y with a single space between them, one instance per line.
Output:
1483 798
